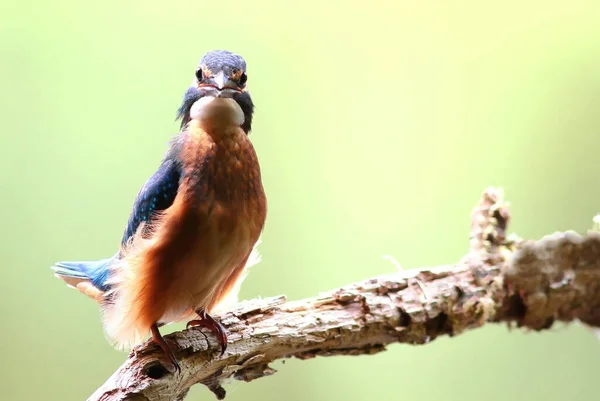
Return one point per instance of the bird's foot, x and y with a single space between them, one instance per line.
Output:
162 343
207 321
197 323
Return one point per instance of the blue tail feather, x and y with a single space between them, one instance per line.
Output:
96 271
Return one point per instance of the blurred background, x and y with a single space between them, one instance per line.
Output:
378 124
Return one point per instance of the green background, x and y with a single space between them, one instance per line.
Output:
378 124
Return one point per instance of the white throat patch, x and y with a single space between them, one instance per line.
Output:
225 111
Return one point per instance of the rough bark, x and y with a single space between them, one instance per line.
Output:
501 279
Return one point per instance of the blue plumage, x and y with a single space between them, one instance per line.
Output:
95 271
157 194
190 97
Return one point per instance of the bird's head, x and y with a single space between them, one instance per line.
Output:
220 74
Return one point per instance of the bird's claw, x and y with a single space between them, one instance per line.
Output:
193 323
162 343
208 322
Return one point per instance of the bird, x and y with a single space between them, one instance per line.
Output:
195 223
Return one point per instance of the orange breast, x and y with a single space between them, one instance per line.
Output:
224 196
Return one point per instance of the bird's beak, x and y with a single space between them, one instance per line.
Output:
219 80
220 86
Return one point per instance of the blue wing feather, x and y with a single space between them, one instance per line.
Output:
96 271
158 193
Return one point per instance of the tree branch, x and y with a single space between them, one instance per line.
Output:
529 283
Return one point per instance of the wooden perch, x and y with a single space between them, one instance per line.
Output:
529 283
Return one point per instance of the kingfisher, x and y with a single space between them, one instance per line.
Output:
195 223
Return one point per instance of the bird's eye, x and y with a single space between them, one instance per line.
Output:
199 74
243 78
